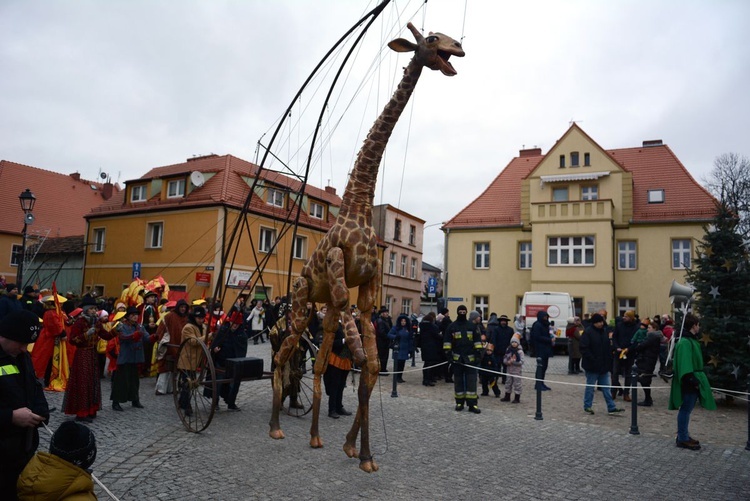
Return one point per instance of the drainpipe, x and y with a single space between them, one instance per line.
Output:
445 265
614 270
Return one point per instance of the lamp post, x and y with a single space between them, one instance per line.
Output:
27 200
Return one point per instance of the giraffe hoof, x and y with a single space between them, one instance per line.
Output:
350 450
276 434
368 466
316 442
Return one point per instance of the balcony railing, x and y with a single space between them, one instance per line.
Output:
580 210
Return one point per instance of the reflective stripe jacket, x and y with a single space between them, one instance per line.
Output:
464 339
18 388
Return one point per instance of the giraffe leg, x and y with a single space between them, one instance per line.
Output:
330 324
367 380
288 347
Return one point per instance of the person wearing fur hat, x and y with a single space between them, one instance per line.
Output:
462 343
63 473
125 382
513 362
169 332
597 363
23 406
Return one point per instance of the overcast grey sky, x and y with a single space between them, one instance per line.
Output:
125 86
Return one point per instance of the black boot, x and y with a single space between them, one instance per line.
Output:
137 404
116 406
474 409
506 398
517 399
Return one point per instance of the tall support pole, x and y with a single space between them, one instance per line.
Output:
19 274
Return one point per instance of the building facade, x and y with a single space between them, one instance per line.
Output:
402 234
186 223
611 227
61 202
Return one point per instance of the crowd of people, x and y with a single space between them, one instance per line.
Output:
141 341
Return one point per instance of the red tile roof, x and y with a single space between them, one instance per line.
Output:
653 168
226 186
61 199
500 203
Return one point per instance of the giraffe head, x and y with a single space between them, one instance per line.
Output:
432 51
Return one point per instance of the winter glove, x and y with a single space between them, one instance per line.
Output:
90 332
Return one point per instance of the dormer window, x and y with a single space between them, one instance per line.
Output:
138 193
176 188
275 198
656 196
316 210
574 159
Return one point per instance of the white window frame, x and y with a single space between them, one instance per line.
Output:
524 255
483 303
627 255
568 246
267 239
392 264
300 247
558 192
682 253
16 250
275 198
138 193
590 192
99 237
404 260
388 303
406 307
155 235
481 255
176 188
626 303
316 210
413 269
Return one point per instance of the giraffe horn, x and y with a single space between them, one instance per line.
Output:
414 31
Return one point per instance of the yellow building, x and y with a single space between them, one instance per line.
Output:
611 227
179 221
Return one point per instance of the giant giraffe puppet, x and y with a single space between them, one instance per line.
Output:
347 257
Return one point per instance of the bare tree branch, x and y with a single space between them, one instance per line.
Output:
729 181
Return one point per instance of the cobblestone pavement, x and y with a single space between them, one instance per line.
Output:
424 448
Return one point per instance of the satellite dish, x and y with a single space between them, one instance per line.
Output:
196 177
103 175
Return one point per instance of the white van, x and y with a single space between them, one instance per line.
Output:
559 307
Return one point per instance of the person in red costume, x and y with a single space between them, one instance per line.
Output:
83 394
44 347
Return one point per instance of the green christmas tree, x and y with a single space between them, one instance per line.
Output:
721 278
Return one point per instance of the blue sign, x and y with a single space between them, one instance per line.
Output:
136 270
431 286
455 299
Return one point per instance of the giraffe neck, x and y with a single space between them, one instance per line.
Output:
360 190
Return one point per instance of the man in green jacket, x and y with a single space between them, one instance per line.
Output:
689 383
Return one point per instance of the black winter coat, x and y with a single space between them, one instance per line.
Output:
431 341
18 388
647 352
623 334
9 305
596 353
541 339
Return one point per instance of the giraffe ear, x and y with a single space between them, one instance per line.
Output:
402 45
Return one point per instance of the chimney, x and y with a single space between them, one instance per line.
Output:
531 152
76 176
107 189
652 142
331 190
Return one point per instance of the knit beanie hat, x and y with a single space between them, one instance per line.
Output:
596 318
74 443
474 315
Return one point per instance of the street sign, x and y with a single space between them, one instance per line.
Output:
455 299
136 270
202 279
431 286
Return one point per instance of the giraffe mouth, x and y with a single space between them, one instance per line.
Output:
442 63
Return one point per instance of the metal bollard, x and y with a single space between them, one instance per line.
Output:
747 445
634 402
394 393
538 416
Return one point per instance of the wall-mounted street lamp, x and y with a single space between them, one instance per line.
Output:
27 200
